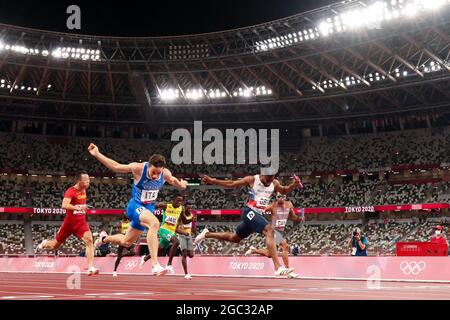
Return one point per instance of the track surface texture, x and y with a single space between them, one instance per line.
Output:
29 286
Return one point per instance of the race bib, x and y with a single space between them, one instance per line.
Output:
171 220
187 226
79 212
280 223
353 251
148 196
262 202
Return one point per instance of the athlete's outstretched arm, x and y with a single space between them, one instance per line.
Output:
110 163
181 184
246 181
161 205
292 215
270 210
287 189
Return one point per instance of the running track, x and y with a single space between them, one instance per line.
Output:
27 286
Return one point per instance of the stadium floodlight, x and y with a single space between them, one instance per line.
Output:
169 94
411 10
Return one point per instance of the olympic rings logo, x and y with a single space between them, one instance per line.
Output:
412 267
131 264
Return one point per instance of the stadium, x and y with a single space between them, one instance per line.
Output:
356 97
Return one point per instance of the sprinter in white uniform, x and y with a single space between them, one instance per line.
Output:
261 189
280 212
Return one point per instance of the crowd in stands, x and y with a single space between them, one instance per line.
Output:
312 238
331 238
116 196
12 239
362 151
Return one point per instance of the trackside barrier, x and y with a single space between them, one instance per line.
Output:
419 269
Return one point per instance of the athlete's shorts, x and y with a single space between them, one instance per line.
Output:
134 210
186 242
164 237
279 236
76 227
251 221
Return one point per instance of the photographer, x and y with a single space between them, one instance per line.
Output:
358 243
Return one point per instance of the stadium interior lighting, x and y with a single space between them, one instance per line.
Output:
6 84
169 94
76 53
195 51
369 16
198 94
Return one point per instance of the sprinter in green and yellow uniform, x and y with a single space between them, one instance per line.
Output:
167 231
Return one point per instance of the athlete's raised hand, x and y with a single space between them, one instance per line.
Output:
183 184
207 180
297 180
93 149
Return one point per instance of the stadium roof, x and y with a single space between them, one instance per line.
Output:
351 59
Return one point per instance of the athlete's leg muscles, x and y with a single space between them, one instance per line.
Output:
126 240
89 242
262 252
269 234
173 249
184 260
285 252
224 236
148 220
119 257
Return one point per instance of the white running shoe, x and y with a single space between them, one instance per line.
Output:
170 269
201 236
292 275
188 277
93 271
249 251
98 242
141 264
40 248
159 270
114 274
282 271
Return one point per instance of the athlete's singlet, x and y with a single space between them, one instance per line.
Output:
281 218
146 190
124 226
259 195
170 218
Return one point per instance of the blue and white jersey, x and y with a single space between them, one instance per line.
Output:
145 191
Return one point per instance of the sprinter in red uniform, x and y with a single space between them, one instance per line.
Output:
74 203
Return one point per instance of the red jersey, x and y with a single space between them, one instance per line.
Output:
439 240
78 197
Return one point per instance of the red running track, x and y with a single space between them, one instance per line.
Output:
28 286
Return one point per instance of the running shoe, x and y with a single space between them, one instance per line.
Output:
159 270
282 271
40 248
188 277
292 275
114 274
201 236
141 264
99 240
249 251
170 269
93 271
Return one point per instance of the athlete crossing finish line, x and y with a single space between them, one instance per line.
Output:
149 178
261 189
280 212
74 203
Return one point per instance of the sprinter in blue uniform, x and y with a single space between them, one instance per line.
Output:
149 178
